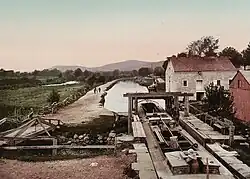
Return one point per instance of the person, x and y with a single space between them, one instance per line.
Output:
193 161
95 90
99 90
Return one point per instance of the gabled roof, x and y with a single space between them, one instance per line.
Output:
196 64
246 75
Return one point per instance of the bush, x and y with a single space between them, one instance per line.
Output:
54 96
219 102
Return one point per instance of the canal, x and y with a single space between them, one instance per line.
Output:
114 101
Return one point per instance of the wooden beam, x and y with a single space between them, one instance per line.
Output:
186 110
156 95
47 147
129 114
136 105
26 138
25 128
43 127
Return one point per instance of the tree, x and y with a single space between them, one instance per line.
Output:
78 72
233 54
86 73
134 73
219 101
159 71
91 80
246 56
116 73
68 75
182 54
144 71
54 96
206 46
101 79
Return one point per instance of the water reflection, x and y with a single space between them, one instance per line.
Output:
115 101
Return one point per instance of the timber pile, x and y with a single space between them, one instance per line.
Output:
203 131
229 159
29 130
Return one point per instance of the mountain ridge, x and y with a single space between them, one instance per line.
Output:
127 65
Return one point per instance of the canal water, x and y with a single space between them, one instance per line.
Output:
114 101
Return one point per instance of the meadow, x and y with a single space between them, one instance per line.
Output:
32 97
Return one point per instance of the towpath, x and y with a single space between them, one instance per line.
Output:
84 109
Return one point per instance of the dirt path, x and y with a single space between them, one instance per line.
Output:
107 168
83 110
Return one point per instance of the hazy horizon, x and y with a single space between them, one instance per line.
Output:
42 34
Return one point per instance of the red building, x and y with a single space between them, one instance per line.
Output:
240 90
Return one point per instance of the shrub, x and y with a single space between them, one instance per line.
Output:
54 96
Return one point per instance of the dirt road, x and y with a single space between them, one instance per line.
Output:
107 167
83 110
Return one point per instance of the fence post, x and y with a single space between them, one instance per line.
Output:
207 170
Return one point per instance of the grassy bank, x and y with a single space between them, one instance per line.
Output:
36 97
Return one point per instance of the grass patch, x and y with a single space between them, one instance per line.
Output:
34 96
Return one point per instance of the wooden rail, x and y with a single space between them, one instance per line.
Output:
47 147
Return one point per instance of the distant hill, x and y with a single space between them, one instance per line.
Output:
128 65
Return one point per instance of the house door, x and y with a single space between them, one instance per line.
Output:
199 96
199 86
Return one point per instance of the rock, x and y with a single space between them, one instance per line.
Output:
125 151
80 137
111 134
94 164
100 137
119 135
75 136
86 138
69 142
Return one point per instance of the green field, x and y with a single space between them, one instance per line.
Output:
34 96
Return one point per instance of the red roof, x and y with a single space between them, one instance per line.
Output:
196 64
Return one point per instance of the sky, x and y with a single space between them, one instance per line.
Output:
38 34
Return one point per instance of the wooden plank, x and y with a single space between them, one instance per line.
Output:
2 121
45 147
157 130
138 130
136 118
175 159
237 167
144 163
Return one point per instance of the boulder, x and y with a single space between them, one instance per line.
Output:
99 137
86 138
75 136
80 137
69 142
111 134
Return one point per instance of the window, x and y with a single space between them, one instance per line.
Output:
185 83
239 84
218 82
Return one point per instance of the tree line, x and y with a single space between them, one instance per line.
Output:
12 79
209 46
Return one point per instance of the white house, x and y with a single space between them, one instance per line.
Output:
193 74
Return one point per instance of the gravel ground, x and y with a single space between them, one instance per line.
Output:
107 168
